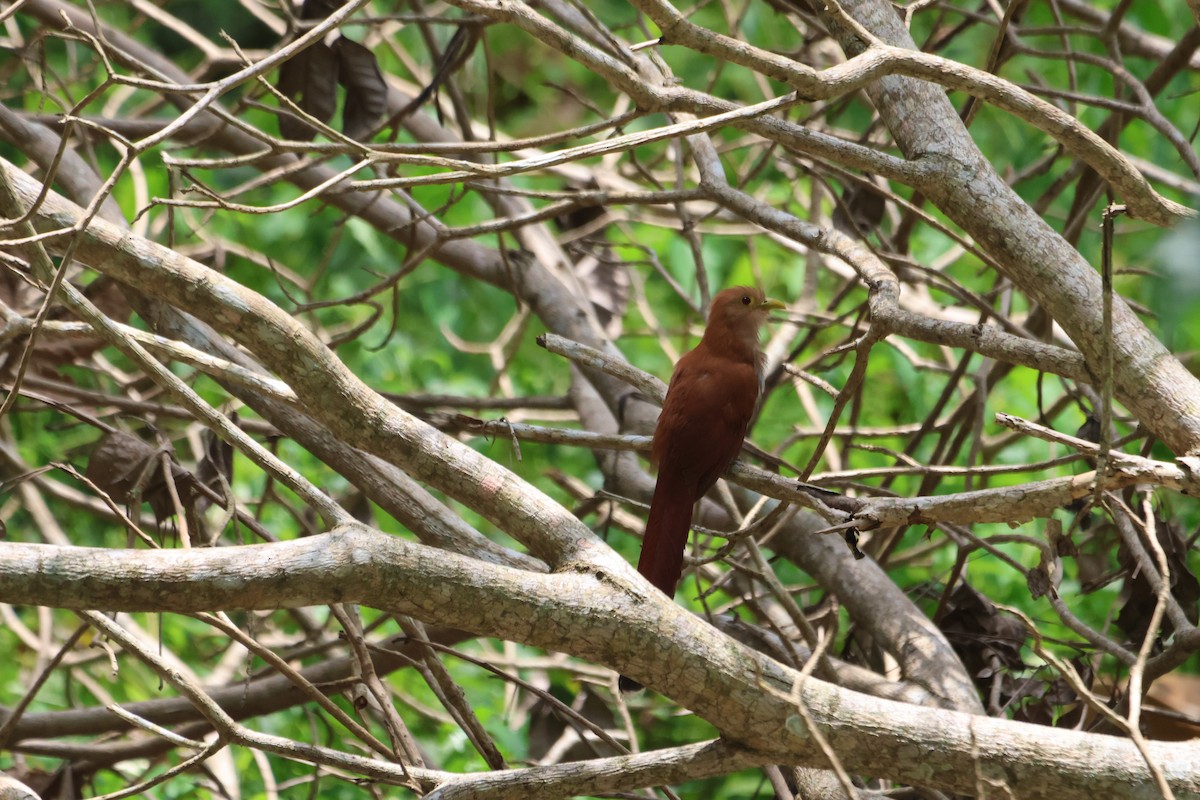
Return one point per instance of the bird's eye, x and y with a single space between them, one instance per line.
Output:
745 299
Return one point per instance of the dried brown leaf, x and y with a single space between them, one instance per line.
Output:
309 79
126 468
366 90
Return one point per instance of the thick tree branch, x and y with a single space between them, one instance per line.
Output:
584 613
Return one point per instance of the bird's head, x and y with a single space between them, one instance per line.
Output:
739 312
734 321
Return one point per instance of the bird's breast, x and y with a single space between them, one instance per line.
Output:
705 415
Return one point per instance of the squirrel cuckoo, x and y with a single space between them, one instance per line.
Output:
711 397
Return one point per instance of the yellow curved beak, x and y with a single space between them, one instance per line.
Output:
775 305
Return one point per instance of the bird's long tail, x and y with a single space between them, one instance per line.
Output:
666 534
666 538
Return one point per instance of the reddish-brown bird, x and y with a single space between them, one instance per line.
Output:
709 402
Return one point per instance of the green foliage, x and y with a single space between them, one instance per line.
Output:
1174 294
